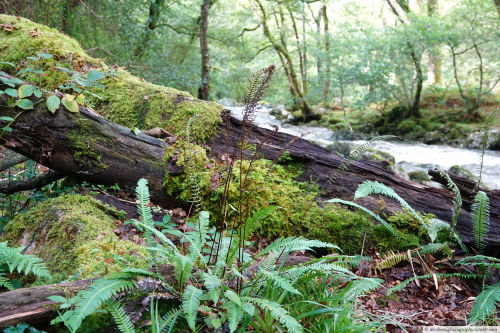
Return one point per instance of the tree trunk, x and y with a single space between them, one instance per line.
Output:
204 89
435 72
119 156
497 4
153 20
326 87
414 110
287 62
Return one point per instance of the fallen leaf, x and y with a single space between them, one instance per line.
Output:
35 33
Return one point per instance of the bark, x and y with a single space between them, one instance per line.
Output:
204 88
30 184
497 4
30 305
122 157
11 159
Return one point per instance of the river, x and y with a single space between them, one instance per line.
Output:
409 156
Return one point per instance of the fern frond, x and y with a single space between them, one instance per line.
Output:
167 322
93 297
5 282
390 260
190 303
373 187
183 267
290 244
479 260
122 320
436 247
146 217
486 302
278 313
457 199
480 215
403 284
280 281
190 161
234 316
485 127
366 210
362 286
435 225
22 263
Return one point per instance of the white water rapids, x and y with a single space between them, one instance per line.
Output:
409 156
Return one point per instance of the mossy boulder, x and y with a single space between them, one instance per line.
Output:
419 176
125 99
73 234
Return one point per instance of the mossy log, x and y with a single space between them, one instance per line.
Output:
117 155
31 305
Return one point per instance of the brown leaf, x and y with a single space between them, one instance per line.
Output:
9 27
35 33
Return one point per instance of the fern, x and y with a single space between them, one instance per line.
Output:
5 282
190 161
146 217
457 199
485 303
362 286
390 260
121 318
90 299
435 225
366 210
277 312
290 244
372 187
190 303
234 315
403 284
280 281
480 214
22 263
436 247
167 322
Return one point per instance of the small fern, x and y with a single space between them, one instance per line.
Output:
121 318
190 303
372 187
92 298
145 215
485 304
480 214
22 263
277 312
390 260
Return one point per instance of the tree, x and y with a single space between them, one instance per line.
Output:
204 90
281 49
155 7
434 58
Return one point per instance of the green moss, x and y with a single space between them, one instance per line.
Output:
125 99
83 142
74 234
419 176
275 184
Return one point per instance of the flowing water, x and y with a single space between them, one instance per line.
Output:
409 156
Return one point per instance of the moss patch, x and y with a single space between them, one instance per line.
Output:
274 184
73 234
125 99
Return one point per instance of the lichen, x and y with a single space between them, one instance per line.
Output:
74 235
125 99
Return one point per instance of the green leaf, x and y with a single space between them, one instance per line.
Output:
190 304
46 55
80 99
480 214
233 297
53 103
11 92
94 75
32 58
7 63
485 303
69 102
5 118
15 80
38 93
136 131
26 90
25 104
6 129
38 71
57 299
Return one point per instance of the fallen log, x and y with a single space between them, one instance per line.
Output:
31 305
112 153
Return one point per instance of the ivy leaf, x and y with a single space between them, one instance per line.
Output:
25 104
26 90
94 75
7 129
5 118
11 92
69 102
80 99
53 103
38 93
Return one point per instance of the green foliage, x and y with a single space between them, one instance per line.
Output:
22 328
480 215
15 260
